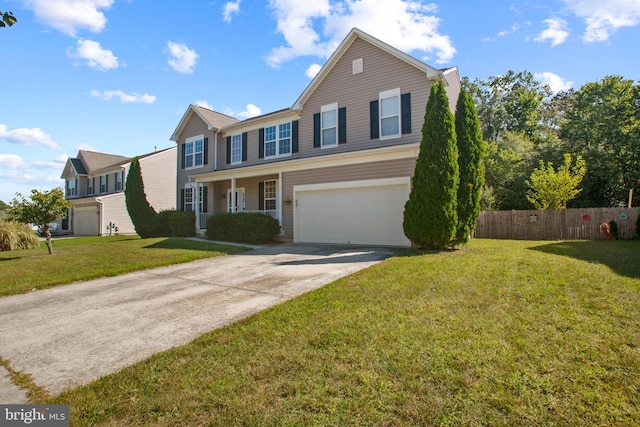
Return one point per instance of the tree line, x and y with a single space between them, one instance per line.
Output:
528 129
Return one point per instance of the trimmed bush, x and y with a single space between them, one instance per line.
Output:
182 224
244 227
15 235
638 226
160 224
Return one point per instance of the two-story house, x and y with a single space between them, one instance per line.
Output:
94 186
336 166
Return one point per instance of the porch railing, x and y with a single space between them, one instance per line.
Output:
203 220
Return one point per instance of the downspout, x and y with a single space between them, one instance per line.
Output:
281 201
195 202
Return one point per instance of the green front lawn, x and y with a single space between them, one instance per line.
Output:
498 333
84 258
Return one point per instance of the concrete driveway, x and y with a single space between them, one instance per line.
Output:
71 335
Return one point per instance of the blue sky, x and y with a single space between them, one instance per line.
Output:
115 76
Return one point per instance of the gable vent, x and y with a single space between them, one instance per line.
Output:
357 66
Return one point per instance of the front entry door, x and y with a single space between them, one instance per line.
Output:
239 197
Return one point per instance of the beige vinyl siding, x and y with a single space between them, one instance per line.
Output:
355 92
114 210
159 179
376 170
194 127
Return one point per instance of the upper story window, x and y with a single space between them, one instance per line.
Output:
236 148
72 187
104 183
90 184
329 125
119 176
389 114
194 152
277 140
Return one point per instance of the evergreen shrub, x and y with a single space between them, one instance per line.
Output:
243 227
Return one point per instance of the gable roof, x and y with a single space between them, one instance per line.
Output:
354 34
213 119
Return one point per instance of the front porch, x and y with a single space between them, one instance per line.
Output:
261 194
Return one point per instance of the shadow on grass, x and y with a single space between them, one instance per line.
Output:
623 257
196 245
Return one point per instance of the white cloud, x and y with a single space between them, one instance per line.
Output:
95 55
182 59
603 18
58 162
204 104
24 136
556 31
12 161
70 16
317 27
313 70
555 82
514 28
125 98
229 9
250 111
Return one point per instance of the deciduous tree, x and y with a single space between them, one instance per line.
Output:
551 189
42 208
7 19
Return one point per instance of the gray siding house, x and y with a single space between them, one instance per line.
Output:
95 182
335 167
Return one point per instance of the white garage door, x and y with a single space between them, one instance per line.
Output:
362 212
85 221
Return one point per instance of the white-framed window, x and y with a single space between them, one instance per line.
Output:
329 125
188 198
104 180
270 195
72 187
119 176
90 188
236 149
194 152
277 140
189 201
389 102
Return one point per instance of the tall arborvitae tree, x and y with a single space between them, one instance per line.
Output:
140 210
471 165
430 216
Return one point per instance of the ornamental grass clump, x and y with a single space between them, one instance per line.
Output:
15 235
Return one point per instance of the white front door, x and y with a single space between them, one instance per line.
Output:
239 198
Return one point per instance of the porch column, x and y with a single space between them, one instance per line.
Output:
233 195
280 199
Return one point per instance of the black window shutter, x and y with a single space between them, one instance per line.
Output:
106 183
261 195
374 117
206 151
204 199
228 149
182 199
244 146
316 130
182 155
342 125
294 136
405 108
261 143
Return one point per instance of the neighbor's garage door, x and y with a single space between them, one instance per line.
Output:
85 220
362 212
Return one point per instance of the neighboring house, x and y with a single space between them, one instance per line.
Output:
95 182
336 167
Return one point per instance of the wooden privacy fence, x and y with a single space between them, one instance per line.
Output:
565 224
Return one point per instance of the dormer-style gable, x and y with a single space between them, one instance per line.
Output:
214 120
